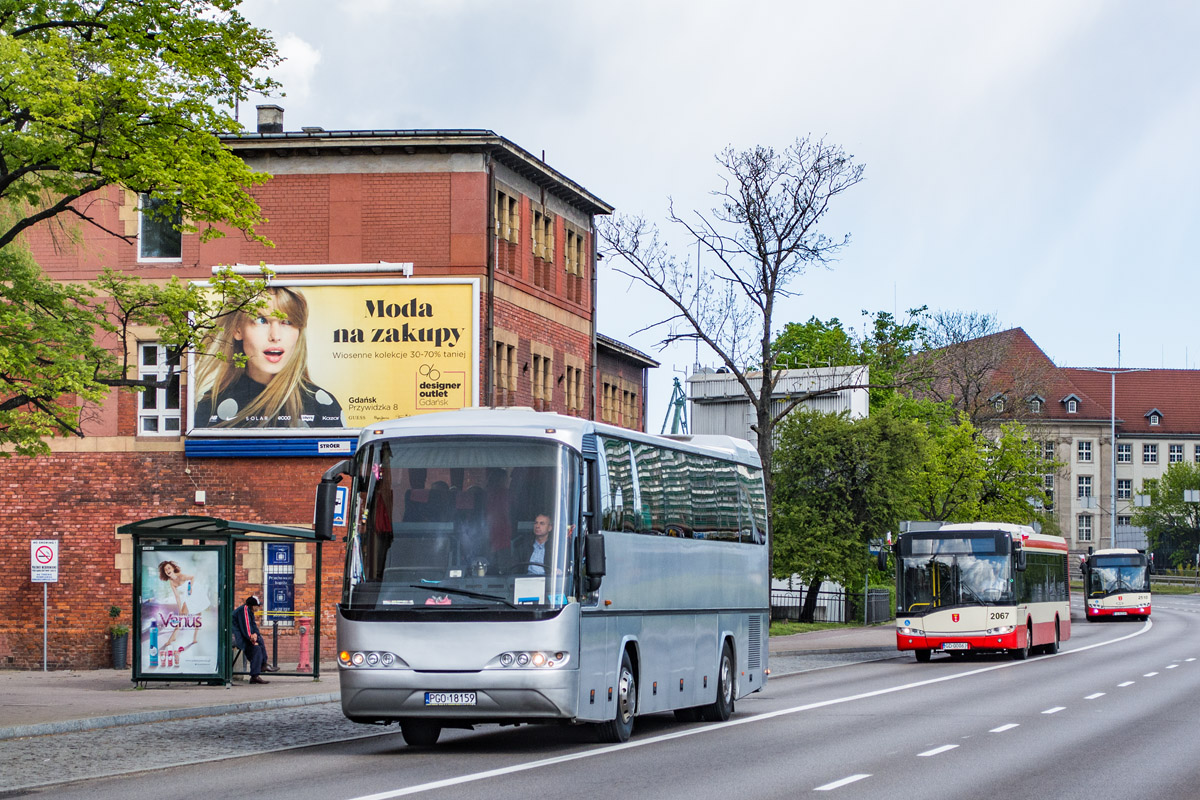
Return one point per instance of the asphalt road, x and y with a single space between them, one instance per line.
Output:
1112 715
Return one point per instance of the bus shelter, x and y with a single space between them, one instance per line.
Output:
184 595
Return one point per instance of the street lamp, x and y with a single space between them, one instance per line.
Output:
1112 443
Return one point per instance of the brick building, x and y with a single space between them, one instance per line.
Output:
409 218
1109 430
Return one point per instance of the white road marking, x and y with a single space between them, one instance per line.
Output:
1004 728
1149 674
1055 710
936 751
1172 666
838 784
1094 696
614 748
1126 683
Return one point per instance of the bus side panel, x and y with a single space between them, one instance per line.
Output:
597 671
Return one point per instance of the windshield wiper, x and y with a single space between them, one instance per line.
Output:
463 592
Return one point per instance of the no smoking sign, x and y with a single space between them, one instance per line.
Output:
43 560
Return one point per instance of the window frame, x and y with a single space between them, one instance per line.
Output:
145 202
162 411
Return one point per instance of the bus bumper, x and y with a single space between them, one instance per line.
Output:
974 642
1137 611
381 695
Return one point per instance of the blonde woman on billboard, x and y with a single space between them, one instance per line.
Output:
273 389
191 596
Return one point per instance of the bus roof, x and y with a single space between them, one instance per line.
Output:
525 422
1116 551
1027 534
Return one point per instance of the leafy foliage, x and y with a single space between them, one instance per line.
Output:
128 93
1172 524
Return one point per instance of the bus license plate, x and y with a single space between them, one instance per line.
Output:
1120 613
956 645
449 698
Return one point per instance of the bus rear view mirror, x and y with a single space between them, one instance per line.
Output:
881 559
1018 558
593 553
326 499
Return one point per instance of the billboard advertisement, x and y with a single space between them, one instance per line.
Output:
332 357
178 612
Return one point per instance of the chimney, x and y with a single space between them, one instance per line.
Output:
270 119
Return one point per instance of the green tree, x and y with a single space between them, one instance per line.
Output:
126 93
1172 524
119 93
838 483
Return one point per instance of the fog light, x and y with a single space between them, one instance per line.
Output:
387 659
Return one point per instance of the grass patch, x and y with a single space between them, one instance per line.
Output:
784 628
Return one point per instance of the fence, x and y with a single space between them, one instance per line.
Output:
832 606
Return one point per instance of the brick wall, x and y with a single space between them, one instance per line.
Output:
81 498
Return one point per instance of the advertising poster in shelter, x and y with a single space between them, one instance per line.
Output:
179 608
337 356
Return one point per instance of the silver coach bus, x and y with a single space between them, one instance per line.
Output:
510 566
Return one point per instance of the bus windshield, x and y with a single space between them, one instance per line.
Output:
463 523
937 572
1115 574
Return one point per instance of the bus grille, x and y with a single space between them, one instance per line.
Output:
754 657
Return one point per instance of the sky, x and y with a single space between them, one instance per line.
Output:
1035 161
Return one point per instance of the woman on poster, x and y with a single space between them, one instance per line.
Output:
191 596
255 374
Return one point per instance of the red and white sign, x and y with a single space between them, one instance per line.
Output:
43 560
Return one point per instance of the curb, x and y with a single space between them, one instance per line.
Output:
884 651
162 715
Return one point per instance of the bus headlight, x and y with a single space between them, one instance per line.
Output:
536 659
908 630
367 659
1003 629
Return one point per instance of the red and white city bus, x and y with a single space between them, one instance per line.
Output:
1116 583
980 586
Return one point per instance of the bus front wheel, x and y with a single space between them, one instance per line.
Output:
620 727
722 707
923 655
1022 653
418 733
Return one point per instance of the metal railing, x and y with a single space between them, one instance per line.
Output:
787 605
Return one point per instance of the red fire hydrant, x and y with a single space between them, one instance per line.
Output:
304 662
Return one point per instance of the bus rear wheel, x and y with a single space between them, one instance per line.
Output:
620 727
721 708
418 733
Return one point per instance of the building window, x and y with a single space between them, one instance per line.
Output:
998 403
1072 406
1149 454
574 263
504 375
1124 488
1124 522
543 383
574 390
1154 419
507 214
1174 453
1084 486
1083 527
159 238
1125 454
541 235
1084 452
1196 453
1035 405
158 408
1047 451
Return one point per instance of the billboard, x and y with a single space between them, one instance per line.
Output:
336 356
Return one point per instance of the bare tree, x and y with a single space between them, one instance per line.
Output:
762 235
989 374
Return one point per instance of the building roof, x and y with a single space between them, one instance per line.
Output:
316 141
624 350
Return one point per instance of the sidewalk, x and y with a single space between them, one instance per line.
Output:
36 703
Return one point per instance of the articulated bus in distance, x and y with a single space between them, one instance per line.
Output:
980 586
648 592
1116 583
